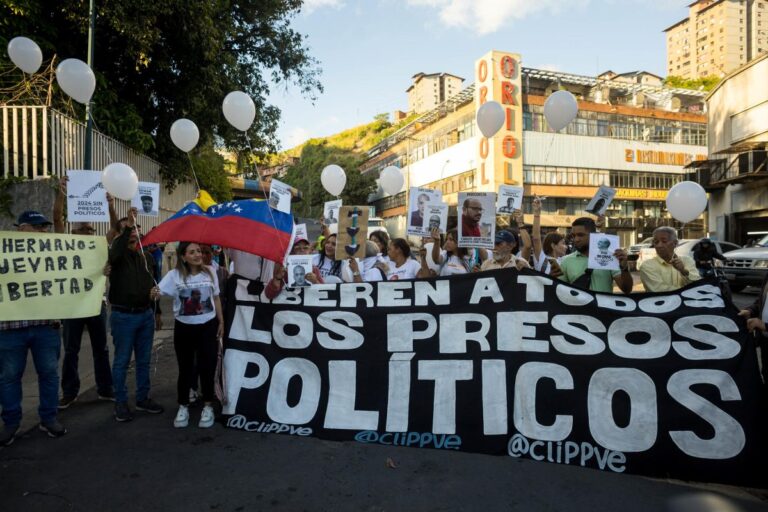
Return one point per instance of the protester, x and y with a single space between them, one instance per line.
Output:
667 271
275 286
505 245
73 328
574 266
197 330
382 242
548 253
222 275
704 254
325 259
370 269
524 247
132 319
401 265
451 260
41 337
757 322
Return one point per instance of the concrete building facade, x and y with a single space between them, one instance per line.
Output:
634 137
429 90
717 37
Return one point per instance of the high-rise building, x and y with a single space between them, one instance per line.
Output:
429 90
717 37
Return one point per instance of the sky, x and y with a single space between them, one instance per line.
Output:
369 49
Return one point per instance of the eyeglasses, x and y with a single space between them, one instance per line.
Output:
476 208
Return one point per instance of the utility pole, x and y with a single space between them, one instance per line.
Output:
88 160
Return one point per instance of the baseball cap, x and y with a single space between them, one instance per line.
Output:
32 218
505 236
300 238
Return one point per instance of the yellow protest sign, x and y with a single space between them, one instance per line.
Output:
51 277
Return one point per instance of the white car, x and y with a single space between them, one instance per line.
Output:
684 248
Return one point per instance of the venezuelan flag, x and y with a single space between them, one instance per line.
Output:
247 225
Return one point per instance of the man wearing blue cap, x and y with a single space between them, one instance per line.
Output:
504 248
41 337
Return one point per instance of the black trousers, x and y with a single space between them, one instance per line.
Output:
197 353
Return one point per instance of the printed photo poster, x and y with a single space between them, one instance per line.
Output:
300 232
297 268
437 217
331 212
86 197
280 196
418 199
601 249
195 300
477 225
510 199
353 232
602 199
147 199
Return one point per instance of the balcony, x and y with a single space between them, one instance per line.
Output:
716 174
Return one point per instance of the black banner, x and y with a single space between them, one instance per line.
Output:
504 363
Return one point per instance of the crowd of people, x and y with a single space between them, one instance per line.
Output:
197 282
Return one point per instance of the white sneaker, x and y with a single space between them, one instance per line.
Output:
182 417
206 418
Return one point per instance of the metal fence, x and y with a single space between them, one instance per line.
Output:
39 142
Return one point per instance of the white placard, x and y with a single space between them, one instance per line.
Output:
300 232
601 249
86 197
297 269
418 199
510 199
437 217
331 212
601 201
477 223
280 196
147 199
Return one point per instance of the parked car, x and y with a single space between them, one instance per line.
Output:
634 250
747 266
376 224
684 248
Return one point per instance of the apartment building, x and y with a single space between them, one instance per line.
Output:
429 90
717 37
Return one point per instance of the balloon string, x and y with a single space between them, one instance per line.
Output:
194 175
261 184
141 249
106 146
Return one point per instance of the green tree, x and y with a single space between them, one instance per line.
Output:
706 83
305 175
161 60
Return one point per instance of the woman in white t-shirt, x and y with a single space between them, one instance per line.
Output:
325 261
401 265
452 260
199 325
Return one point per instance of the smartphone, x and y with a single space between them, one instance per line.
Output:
554 264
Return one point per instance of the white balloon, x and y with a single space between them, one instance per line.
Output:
560 109
490 118
391 180
239 110
184 134
686 201
120 181
76 79
333 179
25 53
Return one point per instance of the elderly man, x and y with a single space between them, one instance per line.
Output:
574 269
74 328
667 271
41 337
505 245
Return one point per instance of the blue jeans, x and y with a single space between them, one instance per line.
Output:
132 333
73 335
45 345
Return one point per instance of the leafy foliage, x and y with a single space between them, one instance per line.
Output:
157 61
706 83
305 175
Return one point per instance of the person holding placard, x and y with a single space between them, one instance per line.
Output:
72 332
41 338
451 260
574 266
667 271
371 268
325 259
300 247
546 254
401 265
381 238
198 330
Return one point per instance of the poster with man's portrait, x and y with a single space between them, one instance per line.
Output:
477 222
195 301
418 199
147 199
331 212
601 201
353 232
510 199
279 196
297 268
437 217
601 249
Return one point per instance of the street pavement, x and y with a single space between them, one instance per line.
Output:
146 464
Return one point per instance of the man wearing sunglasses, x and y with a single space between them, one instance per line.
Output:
73 328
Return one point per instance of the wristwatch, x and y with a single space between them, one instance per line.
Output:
355 274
